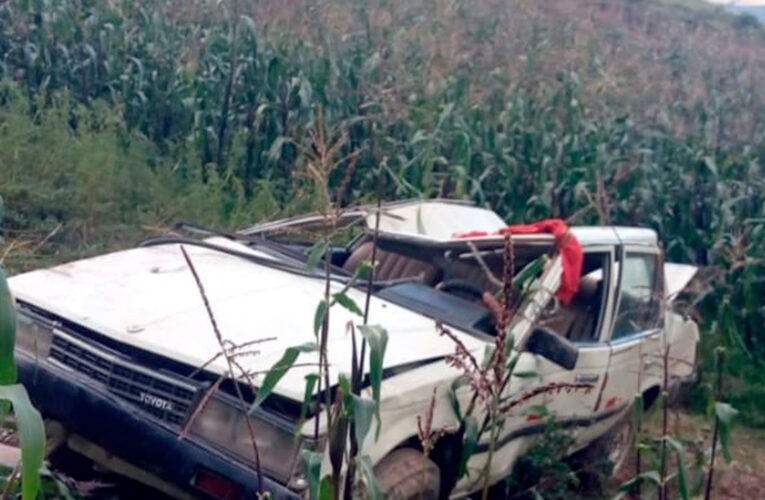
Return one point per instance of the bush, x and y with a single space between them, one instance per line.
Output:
95 187
546 471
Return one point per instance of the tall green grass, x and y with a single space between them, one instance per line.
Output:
69 192
119 114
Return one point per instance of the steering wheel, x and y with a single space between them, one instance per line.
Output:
461 287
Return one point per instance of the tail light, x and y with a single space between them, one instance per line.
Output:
216 486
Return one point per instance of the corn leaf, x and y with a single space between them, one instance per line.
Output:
638 407
326 490
32 434
310 385
629 485
338 440
363 269
348 303
7 333
377 338
725 414
456 408
315 253
311 461
278 371
363 411
469 442
682 485
509 344
318 319
529 272
374 490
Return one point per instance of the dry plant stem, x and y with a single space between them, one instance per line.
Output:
233 348
498 362
716 432
11 481
231 374
323 364
664 424
493 437
639 426
425 432
481 262
355 384
481 378
200 407
372 272
371 278
359 368
319 169
246 374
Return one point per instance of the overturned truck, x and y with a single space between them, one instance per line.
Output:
117 350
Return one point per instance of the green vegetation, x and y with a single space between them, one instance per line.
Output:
13 396
120 116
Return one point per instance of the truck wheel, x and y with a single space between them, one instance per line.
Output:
617 446
407 474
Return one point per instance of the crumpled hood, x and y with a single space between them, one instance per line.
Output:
147 297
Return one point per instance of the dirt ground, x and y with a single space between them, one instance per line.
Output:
741 479
744 477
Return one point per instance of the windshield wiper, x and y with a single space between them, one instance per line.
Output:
261 241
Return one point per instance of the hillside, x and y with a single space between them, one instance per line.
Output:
119 117
754 8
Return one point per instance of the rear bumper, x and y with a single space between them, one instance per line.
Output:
130 434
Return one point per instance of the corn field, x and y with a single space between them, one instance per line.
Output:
115 114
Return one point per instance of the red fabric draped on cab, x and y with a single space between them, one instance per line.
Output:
568 246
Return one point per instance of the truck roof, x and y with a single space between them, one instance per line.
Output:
439 221
615 235
442 220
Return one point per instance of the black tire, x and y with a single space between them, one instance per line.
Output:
407 474
615 448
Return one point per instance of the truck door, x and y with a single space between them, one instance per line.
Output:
568 395
636 336
571 395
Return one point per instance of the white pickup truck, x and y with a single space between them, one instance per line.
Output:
110 347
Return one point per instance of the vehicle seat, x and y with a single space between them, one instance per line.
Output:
392 266
472 273
586 306
577 320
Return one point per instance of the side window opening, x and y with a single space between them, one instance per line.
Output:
641 288
579 320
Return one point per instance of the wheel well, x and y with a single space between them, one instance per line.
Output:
446 455
650 396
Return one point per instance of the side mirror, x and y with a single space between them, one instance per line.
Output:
553 347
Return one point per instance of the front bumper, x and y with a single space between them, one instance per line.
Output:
130 434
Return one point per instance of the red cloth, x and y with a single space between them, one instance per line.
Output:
568 246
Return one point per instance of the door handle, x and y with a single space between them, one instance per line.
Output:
587 378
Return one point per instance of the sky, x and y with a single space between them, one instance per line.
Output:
743 3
